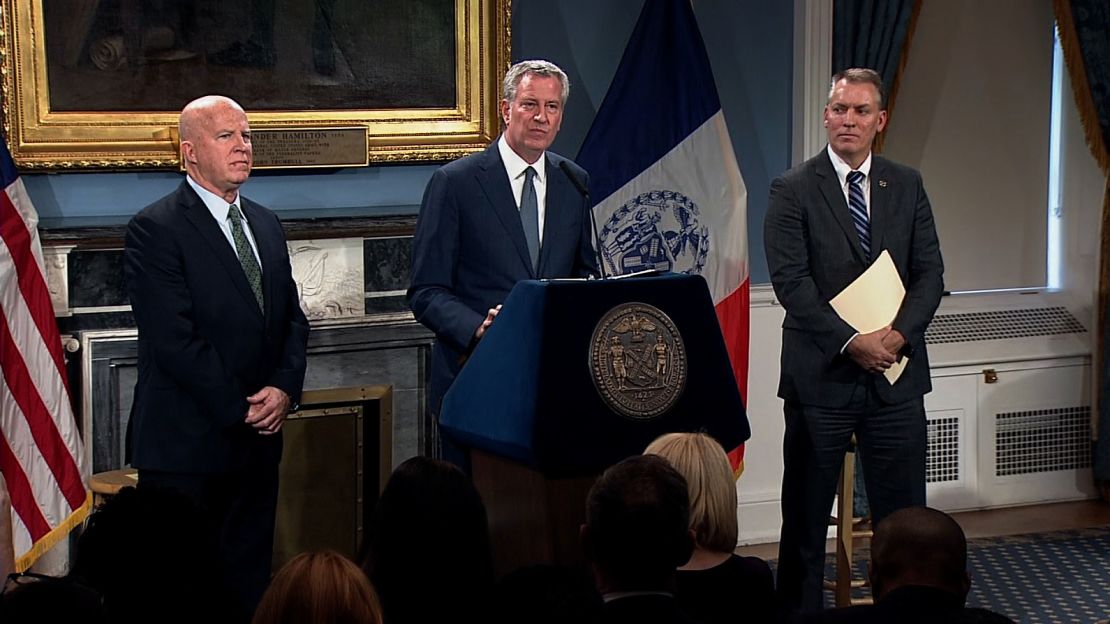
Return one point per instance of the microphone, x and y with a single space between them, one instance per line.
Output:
585 192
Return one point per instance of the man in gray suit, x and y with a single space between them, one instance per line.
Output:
829 218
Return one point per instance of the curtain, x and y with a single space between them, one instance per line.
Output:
1084 29
874 34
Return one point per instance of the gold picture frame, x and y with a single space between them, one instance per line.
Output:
41 137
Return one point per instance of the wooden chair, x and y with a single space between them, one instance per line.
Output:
848 529
105 485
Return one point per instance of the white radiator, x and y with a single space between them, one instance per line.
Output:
1022 438
1009 418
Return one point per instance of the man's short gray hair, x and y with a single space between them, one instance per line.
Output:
860 75
518 71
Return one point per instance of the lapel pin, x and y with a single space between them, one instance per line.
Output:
882 183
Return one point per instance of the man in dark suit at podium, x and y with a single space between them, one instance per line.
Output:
494 218
828 220
222 343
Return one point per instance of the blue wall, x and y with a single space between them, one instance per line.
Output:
75 199
749 43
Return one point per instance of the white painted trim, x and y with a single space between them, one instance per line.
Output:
760 522
100 309
88 337
762 295
385 293
813 26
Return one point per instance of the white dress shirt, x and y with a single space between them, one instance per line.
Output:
842 171
515 167
219 208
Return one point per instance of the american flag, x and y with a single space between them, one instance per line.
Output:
41 456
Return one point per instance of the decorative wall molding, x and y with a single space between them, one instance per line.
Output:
56 259
813 26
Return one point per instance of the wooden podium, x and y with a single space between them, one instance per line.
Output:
532 518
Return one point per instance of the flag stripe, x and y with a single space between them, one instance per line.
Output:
17 433
732 312
21 538
24 506
736 461
43 429
16 235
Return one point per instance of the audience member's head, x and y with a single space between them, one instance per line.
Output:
429 538
637 525
704 465
322 586
919 546
146 554
546 594
30 600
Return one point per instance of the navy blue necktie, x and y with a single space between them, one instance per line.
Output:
857 205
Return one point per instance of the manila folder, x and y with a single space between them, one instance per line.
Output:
871 302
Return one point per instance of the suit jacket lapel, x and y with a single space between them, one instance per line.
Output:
880 205
560 197
495 184
834 199
197 214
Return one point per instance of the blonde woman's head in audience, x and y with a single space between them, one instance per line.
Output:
702 461
321 586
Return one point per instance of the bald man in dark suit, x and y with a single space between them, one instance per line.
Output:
222 342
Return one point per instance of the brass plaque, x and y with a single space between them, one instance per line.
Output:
309 147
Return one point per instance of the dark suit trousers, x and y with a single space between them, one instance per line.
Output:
240 507
891 446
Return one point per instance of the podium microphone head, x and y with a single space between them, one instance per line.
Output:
564 165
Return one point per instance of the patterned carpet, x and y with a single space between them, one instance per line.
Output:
1042 578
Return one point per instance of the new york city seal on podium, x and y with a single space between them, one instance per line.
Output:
638 361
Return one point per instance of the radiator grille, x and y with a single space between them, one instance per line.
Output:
1042 440
942 455
1002 324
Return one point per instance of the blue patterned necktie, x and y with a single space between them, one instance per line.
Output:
246 254
857 205
530 217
